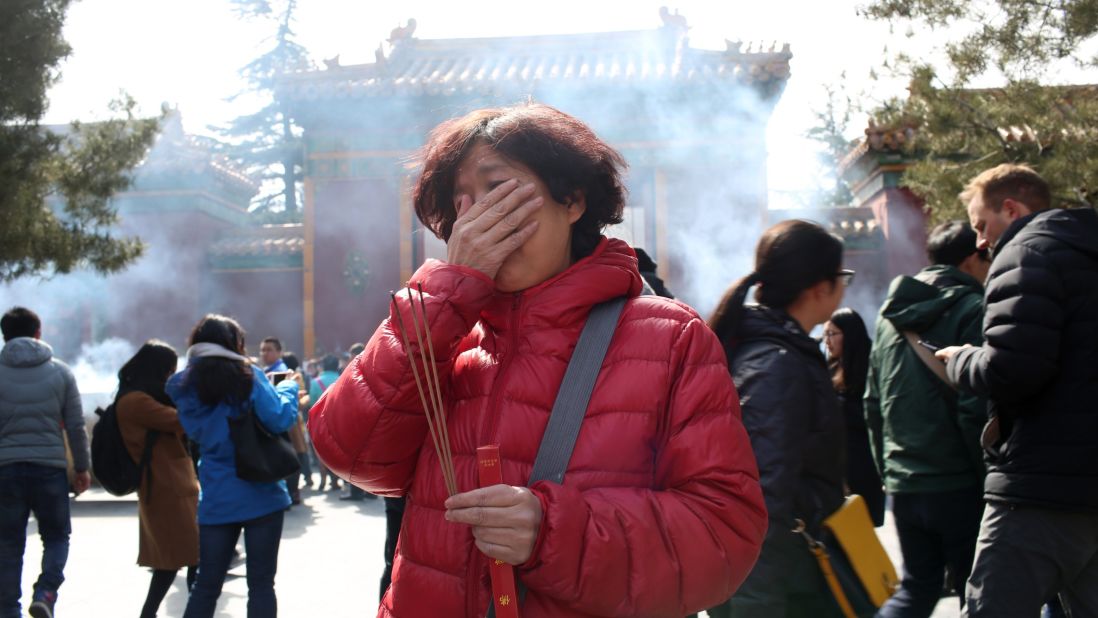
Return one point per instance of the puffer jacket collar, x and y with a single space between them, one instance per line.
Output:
609 272
764 323
25 352
1074 227
1012 231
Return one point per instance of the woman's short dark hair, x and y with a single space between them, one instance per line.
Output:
220 379
291 361
150 366
791 257
849 371
564 153
950 243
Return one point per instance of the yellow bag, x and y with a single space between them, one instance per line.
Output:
852 528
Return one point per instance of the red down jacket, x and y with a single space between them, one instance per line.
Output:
660 513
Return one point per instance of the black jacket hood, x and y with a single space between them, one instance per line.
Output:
917 303
1077 227
762 322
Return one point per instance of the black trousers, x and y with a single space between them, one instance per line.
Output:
394 515
936 530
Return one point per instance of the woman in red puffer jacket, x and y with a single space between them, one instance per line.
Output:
660 513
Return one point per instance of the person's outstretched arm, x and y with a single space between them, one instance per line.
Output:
1025 316
276 406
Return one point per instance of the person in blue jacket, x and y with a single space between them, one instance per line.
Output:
219 383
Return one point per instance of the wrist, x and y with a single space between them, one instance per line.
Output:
539 540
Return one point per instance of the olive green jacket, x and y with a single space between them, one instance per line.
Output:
925 436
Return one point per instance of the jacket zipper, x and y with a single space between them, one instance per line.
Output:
491 422
487 434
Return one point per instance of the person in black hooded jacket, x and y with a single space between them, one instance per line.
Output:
1039 368
790 409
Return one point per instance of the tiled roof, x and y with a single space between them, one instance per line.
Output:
848 222
879 138
176 154
485 65
268 240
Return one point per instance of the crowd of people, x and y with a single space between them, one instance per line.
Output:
708 450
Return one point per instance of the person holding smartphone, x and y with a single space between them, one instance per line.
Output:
270 357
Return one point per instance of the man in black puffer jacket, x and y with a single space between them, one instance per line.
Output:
1039 369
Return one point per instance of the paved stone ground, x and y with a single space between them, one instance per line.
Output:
329 563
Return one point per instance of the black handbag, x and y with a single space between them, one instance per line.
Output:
260 455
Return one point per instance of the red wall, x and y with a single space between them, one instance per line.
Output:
267 303
354 215
903 222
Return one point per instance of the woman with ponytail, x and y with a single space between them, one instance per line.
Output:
167 499
790 410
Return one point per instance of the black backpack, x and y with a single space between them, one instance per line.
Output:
115 470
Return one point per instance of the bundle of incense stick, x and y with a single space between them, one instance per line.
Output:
432 396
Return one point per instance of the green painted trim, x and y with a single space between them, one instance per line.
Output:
138 204
278 262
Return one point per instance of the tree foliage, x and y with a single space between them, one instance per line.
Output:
961 130
56 184
266 142
833 123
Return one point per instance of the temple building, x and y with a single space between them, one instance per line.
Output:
690 122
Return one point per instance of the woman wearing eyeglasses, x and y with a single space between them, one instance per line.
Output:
847 344
790 409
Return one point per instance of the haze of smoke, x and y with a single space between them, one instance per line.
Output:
716 222
96 371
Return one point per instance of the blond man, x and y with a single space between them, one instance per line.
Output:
1038 367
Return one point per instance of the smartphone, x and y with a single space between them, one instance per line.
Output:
933 347
277 376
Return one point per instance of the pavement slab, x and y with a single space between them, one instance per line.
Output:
330 562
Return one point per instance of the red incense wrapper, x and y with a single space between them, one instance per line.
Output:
503 575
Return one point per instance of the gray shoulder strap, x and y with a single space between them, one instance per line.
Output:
575 392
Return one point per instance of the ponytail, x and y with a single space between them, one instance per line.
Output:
791 257
725 320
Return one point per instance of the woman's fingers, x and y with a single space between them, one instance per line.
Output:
512 538
489 200
505 520
494 495
497 206
465 202
493 517
512 221
502 553
488 231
